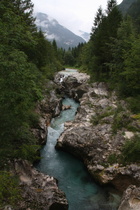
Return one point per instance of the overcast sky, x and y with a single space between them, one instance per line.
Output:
73 14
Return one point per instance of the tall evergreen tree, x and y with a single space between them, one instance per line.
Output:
101 38
97 21
124 51
26 58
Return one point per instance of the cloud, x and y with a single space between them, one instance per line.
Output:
74 14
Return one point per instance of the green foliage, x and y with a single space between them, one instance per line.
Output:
95 120
71 57
120 120
68 58
27 59
134 104
131 150
28 152
9 189
98 118
131 73
137 116
113 158
113 51
134 12
33 119
103 31
124 67
18 93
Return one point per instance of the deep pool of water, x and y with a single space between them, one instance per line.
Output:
81 191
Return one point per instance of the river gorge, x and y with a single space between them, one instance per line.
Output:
79 168
73 179
77 133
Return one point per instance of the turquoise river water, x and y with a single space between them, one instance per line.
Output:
81 191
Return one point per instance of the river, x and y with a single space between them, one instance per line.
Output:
73 179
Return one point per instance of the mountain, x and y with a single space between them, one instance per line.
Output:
134 11
53 30
84 35
132 8
125 5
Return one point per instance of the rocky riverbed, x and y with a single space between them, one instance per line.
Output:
94 135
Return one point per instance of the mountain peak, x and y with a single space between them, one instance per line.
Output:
53 30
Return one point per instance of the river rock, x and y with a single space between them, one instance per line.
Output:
131 199
73 84
65 107
39 191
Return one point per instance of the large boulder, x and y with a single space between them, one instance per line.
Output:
73 84
38 190
131 199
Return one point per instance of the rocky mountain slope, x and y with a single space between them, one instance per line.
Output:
125 5
53 30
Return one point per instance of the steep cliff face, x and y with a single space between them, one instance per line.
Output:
49 107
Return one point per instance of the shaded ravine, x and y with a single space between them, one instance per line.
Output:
82 193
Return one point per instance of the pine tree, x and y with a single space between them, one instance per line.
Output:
104 29
26 59
97 21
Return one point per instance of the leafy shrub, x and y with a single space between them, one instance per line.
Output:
112 158
9 189
134 104
131 150
98 117
28 152
34 120
117 123
121 119
95 119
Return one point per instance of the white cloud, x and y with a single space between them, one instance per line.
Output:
73 14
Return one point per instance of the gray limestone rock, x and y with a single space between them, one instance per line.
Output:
131 199
39 191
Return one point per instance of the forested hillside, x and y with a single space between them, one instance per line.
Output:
26 60
113 51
